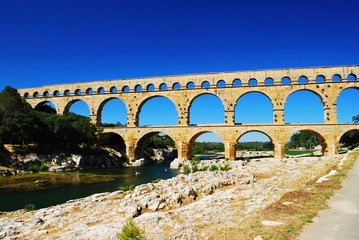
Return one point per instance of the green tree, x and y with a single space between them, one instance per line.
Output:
303 139
355 119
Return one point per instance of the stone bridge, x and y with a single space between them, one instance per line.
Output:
277 84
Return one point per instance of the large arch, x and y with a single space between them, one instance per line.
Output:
347 106
156 111
114 141
109 108
254 140
350 138
322 141
79 107
46 106
201 112
215 138
256 107
304 106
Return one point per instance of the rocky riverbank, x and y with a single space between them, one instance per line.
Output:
194 206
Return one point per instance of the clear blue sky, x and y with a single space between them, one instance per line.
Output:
51 42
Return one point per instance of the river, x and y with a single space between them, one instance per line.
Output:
62 187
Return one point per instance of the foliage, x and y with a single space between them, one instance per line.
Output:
29 207
195 160
117 124
35 166
131 232
255 146
303 139
213 168
195 168
355 119
127 188
207 148
225 168
186 169
350 138
161 142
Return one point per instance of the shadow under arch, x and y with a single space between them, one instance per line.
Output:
46 106
193 139
171 105
217 105
320 138
101 107
143 141
262 108
113 140
349 138
72 102
300 108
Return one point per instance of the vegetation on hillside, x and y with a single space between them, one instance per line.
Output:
302 139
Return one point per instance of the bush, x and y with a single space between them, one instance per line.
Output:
29 207
213 168
131 232
36 166
194 168
22 149
225 168
127 188
195 160
186 169
205 168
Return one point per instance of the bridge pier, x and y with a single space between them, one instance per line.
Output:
230 150
332 148
130 150
279 149
183 150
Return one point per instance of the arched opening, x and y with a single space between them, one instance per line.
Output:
113 112
113 90
303 106
349 140
163 86
36 95
268 81
176 86
206 108
67 93
254 144
156 147
346 105
89 91
253 107
46 106
252 82
205 84
306 143
351 77
206 145
236 83
78 107
221 83
26 95
46 94
336 78
114 141
101 90
125 89
56 93
157 111
302 80
78 92
285 80
138 88
320 79
150 87
190 85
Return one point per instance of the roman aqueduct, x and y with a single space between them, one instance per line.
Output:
277 84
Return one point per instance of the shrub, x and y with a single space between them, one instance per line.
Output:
131 232
213 168
29 207
225 168
186 169
36 166
22 149
205 168
194 168
127 188
195 160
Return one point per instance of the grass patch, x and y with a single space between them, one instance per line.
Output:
298 152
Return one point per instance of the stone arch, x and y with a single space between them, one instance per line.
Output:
252 82
190 85
113 89
78 92
221 83
193 139
302 79
89 91
142 142
285 80
163 86
100 90
269 114
35 95
269 81
321 139
237 82
70 103
351 77
255 130
345 106
113 140
150 87
56 93
176 86
320 78
290 93
336 78
26 95
102 105
190 109
141 105
44 107
342 133
67 92
125 89
205 84
46 94
138 88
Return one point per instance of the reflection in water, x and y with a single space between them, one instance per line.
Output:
62 187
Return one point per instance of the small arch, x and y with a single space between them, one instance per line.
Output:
305 140
269 81
221 83
336 78
67 92
113 89
46 94
351 77
205 84
100 90
302 80
176 86
252 82
236 82
320 79
138 88
26 95
163 86
150 87
125 89
285 80
36 95
56 93
190 85
78 92
89 91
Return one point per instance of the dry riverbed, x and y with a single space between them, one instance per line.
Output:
203 205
